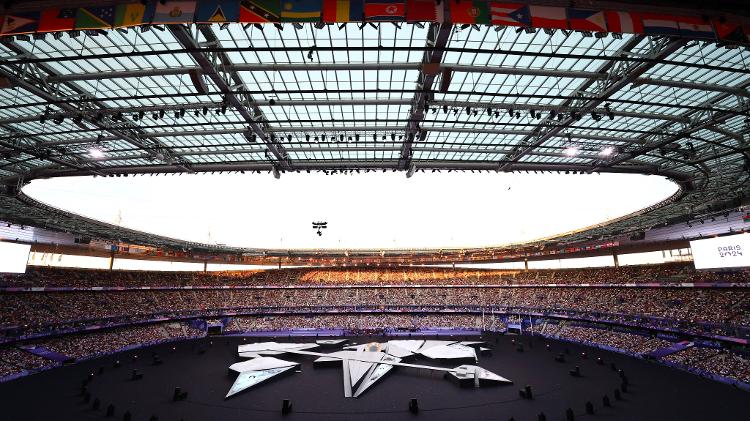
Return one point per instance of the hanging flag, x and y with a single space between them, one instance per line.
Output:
340 11
470 11
131 14
95 17
171 12
694 27
587 20
729 32
656 24
54 20
746 218
385 10
259 11
300 10
20 23
548 17
217 11
424 11
510 14
624 22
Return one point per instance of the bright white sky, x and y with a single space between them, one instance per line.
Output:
374 210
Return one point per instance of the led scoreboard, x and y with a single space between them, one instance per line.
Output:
731 251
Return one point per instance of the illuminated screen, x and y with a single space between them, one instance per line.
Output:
13 257
722 252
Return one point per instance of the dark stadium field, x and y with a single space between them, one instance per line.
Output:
654 393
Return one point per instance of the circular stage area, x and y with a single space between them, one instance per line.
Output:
200 368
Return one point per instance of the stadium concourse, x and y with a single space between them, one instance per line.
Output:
629 299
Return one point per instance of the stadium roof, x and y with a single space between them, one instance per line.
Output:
408 97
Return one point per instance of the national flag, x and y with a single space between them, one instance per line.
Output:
548 17
746 218
95 17
259 11
657 24
385 10
54 20
694 27
132 14
335 11
729 32
20 23
470 11
300 10
587 20
424 11
171 12
624 22
510 14
217 11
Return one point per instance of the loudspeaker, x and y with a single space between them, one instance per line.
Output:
576 372
179 395
569 415
97 404
110 410
136 375
618 396
413 406
529 395
286 406
154 418
541 417
127 416
560 358
116 364
589 408
605 401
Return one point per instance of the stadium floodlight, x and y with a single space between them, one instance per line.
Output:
96 152
571 151
608 151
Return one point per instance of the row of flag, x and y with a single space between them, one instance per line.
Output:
338 11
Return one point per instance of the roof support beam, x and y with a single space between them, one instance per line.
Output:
621 75
41 89
210 69
437 38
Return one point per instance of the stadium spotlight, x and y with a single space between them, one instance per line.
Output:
307 137
571 151
607 151
205 110
298 26
96 153
321 25
161 113
280 28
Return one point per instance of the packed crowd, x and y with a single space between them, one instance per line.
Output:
364 322
14 360
82 278
90 344
714 361
629 342
689 306
708 360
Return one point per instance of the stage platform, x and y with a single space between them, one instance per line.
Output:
654 392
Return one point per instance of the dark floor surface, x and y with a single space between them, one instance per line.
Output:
655 392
